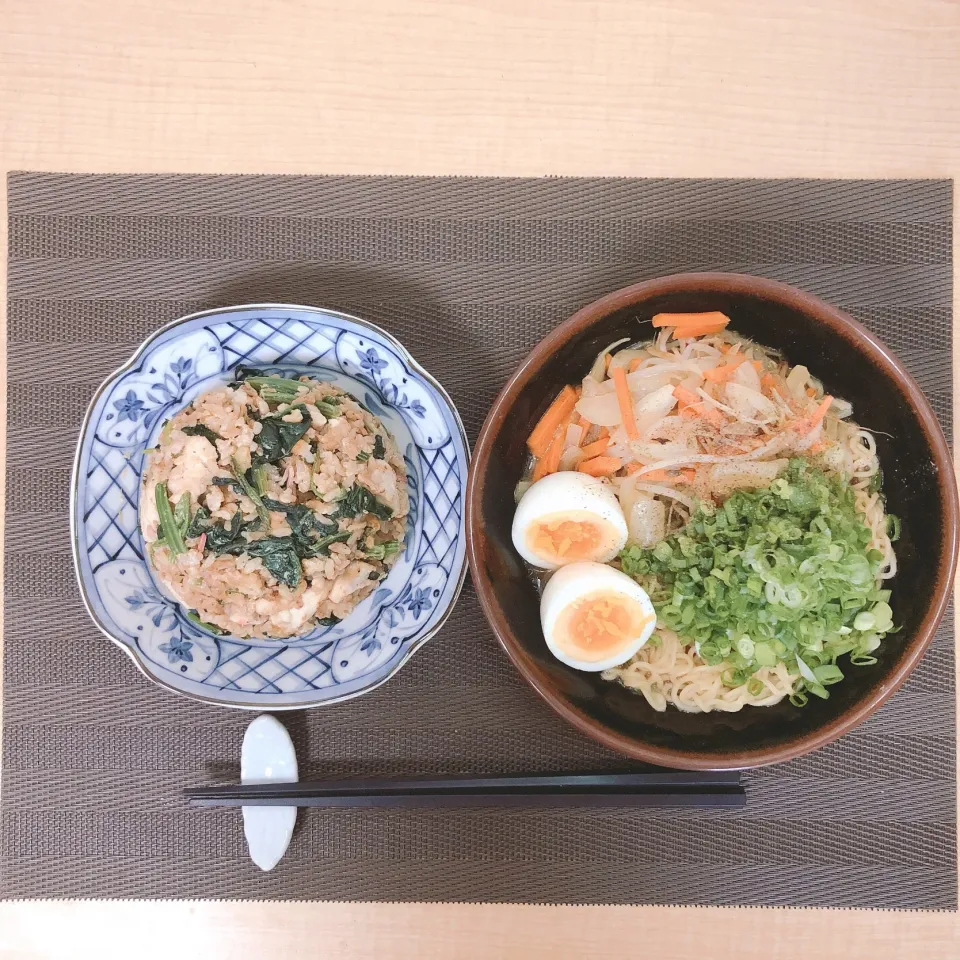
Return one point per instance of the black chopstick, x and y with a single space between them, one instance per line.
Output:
665 788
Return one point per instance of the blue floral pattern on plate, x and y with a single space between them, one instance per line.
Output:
196 354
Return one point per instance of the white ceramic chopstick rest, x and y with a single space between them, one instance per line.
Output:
267 756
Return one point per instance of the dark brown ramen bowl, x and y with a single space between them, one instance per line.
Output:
919 485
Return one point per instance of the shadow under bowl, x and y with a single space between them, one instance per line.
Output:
919 486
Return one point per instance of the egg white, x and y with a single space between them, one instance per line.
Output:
572 582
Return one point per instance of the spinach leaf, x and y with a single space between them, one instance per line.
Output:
304 524
169 527
228 537
257 478
321 547
243 373
380 551
181 514
201 430
227 482
194 617
250 491
198 525
358 500
279 556
277 437
272 388
329 410
330 621
379 450
301 518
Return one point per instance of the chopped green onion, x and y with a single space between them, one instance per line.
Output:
780 575
329 410
893 527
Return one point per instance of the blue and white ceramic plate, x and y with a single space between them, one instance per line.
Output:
193 355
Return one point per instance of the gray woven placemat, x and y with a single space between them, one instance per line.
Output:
469 274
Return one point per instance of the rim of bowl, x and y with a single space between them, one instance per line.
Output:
841 324
75 486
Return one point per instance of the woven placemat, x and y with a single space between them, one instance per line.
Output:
470 274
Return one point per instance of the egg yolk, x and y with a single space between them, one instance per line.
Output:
572 535
598 624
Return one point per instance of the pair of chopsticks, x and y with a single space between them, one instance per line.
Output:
663 789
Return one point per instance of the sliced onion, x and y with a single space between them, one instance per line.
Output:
748 403
662 491
647 523
660 372
841 409
647 451
797 381
772 447
599 369
658 403
747 376
570 457
572 438
603 410
624 358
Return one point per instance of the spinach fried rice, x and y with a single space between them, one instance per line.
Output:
272 505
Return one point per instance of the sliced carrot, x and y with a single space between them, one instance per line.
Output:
606 362
625 402
659 476
692 405
821 411
698 330
723 373
550 460
633 467
690 319
757 365
713 416
600 466
769 383
604 432
685 396
803 425
635 363
811 392
557 412
596 448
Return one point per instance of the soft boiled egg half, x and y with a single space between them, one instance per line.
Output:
567 517
595 617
